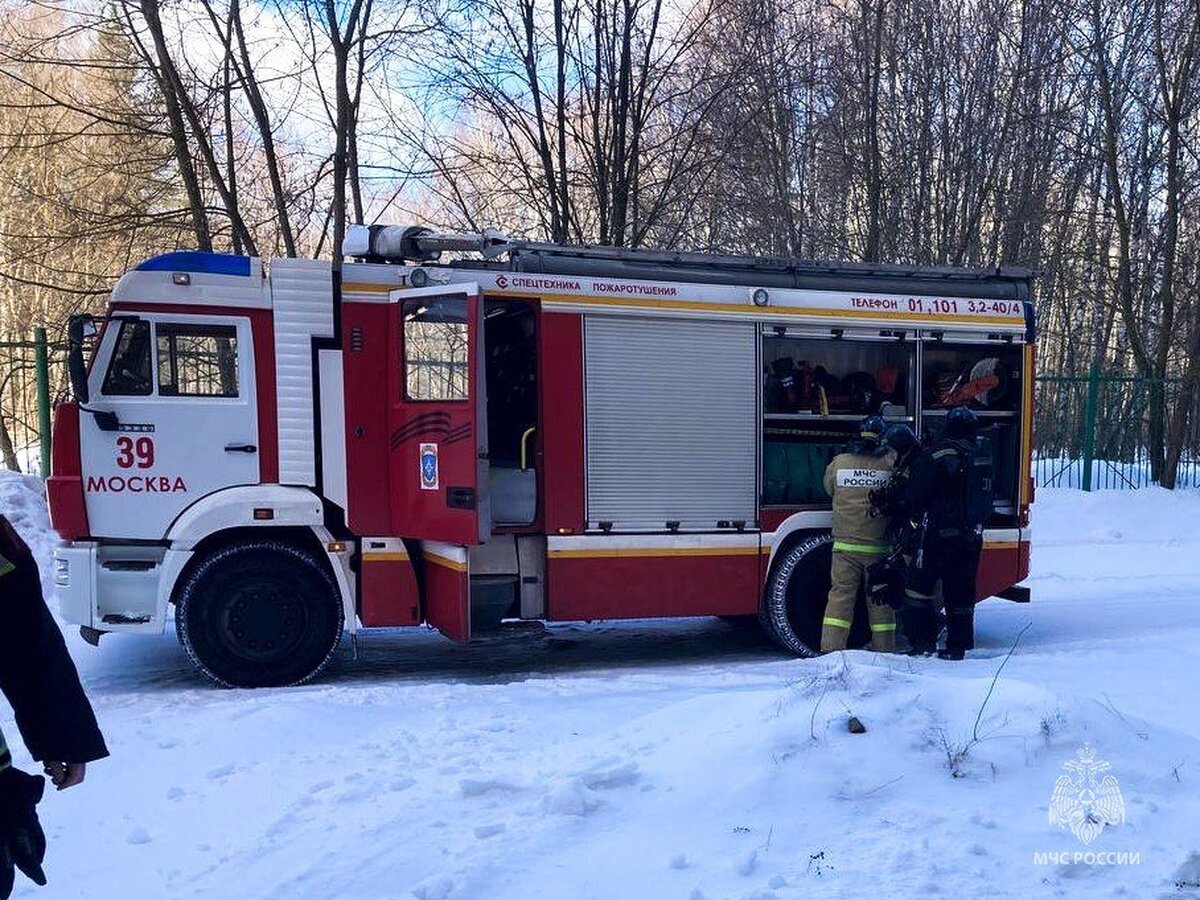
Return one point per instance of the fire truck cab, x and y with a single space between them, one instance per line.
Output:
279 452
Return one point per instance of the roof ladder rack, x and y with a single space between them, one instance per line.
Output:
417 244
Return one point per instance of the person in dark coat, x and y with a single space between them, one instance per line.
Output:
38 678
949 492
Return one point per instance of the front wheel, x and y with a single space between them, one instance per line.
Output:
797 592
259 614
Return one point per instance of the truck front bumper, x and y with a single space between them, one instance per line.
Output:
114 588
74 582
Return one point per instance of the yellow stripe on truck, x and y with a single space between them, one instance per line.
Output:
918 319
1026 428
452 564
774 312
617 552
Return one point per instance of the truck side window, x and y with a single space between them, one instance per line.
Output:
197 360
128 372
435 348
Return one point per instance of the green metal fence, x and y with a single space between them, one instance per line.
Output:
1098 431
31 367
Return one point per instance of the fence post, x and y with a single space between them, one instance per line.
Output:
42 360
1089 425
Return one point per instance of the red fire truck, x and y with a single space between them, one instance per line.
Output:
285 451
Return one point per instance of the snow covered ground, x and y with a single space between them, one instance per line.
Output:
668 759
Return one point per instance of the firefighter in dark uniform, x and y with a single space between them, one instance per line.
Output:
39 680
859 538
948 497
886 578
904 445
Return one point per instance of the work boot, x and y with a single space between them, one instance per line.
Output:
951 654
960 629
919 623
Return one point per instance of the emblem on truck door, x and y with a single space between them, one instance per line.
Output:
429 467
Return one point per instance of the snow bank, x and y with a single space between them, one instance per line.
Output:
1149 515
23 502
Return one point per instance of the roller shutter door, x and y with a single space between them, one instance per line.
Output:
672 434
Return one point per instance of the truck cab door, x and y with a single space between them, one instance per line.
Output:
180 390
438 423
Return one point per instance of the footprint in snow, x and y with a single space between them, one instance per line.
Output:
355 794
578 795
434 888
610 776
570 799
477 787
747 864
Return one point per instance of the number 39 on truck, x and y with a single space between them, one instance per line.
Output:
280 451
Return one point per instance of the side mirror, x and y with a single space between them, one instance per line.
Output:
78 328
105 420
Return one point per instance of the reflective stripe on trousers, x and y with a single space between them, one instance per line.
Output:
851 547
848 576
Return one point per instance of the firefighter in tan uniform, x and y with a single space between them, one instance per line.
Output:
859 538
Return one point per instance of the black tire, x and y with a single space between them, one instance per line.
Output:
797 591
259 614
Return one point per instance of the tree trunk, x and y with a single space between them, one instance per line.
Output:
178 128
7 453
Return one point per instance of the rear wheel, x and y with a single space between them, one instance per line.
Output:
797 591
259 614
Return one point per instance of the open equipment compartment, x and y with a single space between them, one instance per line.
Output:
511 370
817 386
984 374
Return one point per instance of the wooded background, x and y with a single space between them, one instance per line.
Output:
1061 135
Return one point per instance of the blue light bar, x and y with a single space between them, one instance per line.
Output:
199 261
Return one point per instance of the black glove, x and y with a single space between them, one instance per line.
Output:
885 583
22 842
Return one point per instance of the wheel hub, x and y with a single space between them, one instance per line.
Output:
262 622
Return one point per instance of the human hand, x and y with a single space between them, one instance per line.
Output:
65 774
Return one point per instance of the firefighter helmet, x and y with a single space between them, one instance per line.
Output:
870 432
961 423
900 438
